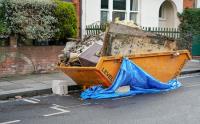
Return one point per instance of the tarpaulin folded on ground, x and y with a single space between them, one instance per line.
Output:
130 74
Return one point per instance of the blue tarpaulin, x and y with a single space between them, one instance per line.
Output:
130 74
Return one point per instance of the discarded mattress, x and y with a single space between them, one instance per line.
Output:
130 74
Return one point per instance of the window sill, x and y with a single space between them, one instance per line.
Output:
119 10
104 9
134 11
162 19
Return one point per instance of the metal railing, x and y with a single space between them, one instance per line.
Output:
169 32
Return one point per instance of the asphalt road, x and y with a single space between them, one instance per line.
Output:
181 106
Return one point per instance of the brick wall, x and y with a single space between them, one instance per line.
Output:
78 12
188 3
26 60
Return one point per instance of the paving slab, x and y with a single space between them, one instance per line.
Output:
14 78
192 66
4 95
37 85
41 78
13 87
61 76
4 83
24 81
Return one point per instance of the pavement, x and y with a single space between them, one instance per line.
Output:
40 84
30 85
192 66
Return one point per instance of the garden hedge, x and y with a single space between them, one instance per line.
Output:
3 24
38 19
189 26
32 19
67 20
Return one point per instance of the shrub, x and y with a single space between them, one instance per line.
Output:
32 19
3 24
189 26
67 21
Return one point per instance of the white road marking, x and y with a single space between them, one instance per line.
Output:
30 101
11 122
35 99
83 104
56 107
59 106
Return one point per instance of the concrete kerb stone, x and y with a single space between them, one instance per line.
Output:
35 92
33 89
26 93
190 71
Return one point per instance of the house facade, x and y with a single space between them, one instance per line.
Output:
147 13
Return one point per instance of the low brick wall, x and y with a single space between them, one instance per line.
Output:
29 59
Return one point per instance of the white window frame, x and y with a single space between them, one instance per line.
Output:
105 10
131 11
127 11
124 11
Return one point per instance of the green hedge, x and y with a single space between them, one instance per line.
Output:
67 20
3 24
32 19
189 26
38 19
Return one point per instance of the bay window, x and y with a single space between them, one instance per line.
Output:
104 16
133 10
104 11
122 9
119 4
119 9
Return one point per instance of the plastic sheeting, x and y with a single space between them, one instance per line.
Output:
130 74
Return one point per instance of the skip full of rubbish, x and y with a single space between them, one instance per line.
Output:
124 60
121 38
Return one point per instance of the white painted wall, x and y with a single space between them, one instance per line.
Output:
90 12
179 7
150 11
198 3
